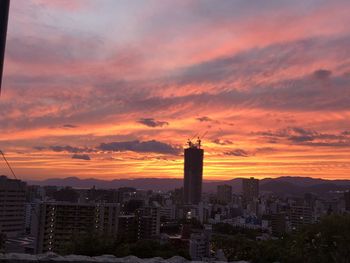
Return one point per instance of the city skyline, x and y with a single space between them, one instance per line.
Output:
113 89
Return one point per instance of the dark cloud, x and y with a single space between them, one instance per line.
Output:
150 122
204 119
70 126
68 148
301 136
322 74
238 152
81 157
264 150
288 132
298 135
325 143
140 146
39 148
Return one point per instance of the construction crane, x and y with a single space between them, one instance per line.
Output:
200 138
4 14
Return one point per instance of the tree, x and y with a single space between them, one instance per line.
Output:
326 241
91 244
236 247
96 244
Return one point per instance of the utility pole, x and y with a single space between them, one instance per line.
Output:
4 14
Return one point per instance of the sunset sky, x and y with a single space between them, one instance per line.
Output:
113 89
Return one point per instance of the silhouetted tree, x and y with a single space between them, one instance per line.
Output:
95 244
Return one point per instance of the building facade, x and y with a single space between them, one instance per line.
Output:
148 222
57 223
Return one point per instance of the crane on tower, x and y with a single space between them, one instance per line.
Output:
198 143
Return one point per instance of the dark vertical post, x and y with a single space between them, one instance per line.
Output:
4 13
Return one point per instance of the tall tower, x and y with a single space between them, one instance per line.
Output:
193 173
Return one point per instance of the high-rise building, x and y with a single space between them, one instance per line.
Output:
12 206
193 173
224 193
57 223
250 189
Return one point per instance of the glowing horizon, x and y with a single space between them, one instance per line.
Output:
113 89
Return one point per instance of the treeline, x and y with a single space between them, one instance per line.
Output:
324 242
94 244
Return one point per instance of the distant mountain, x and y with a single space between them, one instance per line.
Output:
163 184
280 185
